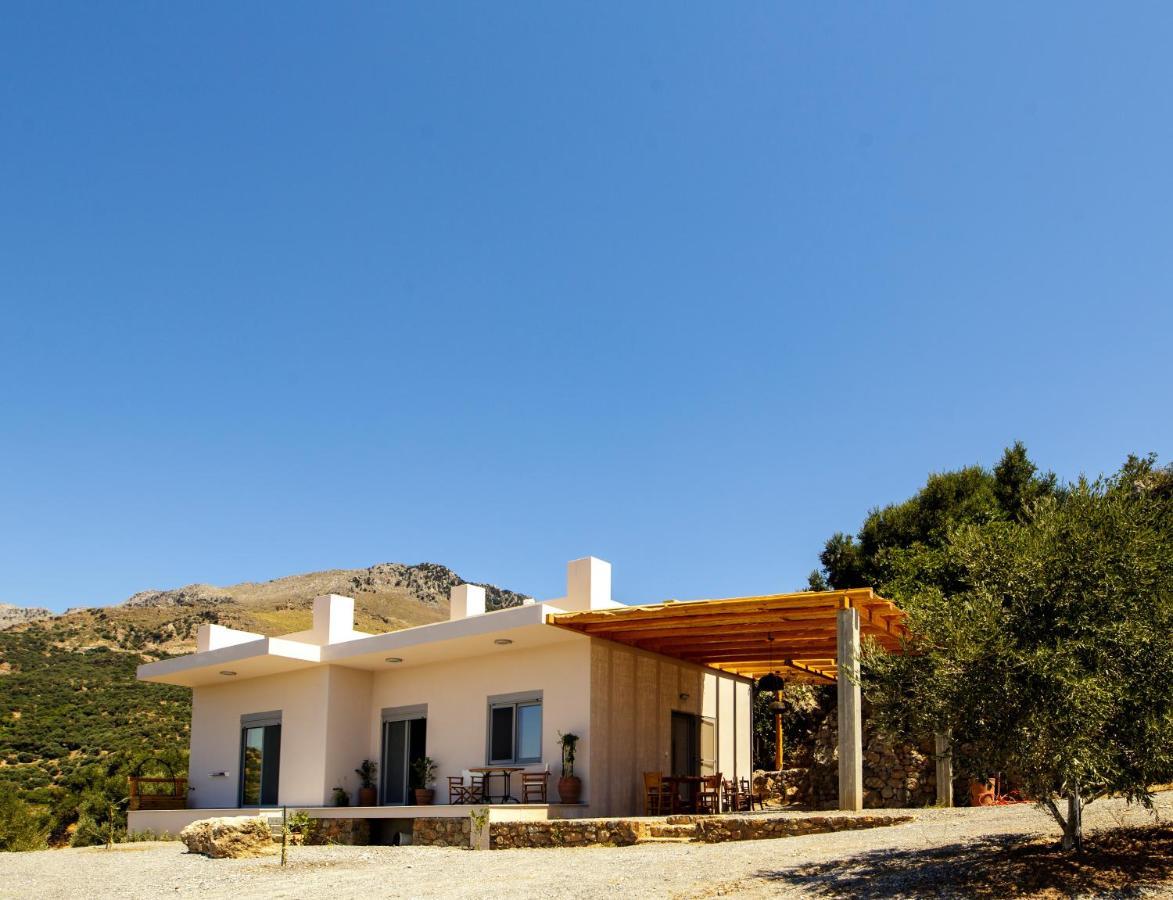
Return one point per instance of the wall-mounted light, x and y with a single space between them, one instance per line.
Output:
394 659
216 775
228 672
683 695
502 642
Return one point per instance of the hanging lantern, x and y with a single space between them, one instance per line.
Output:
771 682
778 707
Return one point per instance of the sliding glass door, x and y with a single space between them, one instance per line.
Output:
404 742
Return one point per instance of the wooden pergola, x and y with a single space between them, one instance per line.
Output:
795 635
807 637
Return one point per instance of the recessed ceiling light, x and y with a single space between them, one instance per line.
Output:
228 672
394 659
502 641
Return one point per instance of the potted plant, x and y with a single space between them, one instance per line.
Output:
983 791
367 795
569 785
341 798
423 776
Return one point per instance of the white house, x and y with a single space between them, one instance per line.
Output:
664 688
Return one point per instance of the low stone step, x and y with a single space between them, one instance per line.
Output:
681 820
664 840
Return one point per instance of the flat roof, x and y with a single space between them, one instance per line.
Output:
519 627
793 634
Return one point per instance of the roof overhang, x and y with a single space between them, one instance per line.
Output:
793 634
252 659
502 631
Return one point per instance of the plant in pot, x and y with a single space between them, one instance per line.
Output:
423 777
569 785
341 798
367 795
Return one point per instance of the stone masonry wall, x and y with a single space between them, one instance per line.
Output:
716 829
352 832
441 832
565 833
894 776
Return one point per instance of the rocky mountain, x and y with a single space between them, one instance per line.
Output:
17 615
70 708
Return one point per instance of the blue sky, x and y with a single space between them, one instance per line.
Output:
685 286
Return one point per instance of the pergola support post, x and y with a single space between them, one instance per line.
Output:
850 709
943 748
778 732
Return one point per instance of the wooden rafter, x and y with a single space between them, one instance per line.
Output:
735 634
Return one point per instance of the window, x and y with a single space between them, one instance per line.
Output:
515 728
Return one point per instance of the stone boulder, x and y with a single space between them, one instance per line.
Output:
229 837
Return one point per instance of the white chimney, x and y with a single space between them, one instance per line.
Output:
466 600
588 585
333 618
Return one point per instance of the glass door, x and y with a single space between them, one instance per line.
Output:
260 764
404 741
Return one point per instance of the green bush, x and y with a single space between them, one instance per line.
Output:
21 828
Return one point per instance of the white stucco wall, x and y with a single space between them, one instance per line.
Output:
215 736
456 694
348 729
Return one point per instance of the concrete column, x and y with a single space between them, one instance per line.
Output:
943 753
850 710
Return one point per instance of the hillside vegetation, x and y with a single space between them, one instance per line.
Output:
73 717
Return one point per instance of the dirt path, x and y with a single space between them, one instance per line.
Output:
917 859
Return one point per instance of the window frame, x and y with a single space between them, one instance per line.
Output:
514 702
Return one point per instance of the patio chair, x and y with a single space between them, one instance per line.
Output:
733 797
533 786
466 788
751 795
656 794
708 796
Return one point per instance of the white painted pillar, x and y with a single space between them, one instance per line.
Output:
850 709
943 753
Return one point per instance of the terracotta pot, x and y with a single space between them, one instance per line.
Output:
368 797
569 789
981 793
424 797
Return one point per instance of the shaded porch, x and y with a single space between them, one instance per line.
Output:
802 637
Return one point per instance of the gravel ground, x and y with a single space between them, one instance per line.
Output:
910 860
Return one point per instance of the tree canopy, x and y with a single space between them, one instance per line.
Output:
1042 620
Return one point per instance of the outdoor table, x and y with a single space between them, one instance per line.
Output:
505 773
691 784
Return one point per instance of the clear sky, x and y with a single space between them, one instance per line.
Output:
689 287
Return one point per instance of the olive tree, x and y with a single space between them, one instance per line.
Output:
1051 660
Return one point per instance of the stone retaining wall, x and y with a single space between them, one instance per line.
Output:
441 832
716 829
565 833
352 832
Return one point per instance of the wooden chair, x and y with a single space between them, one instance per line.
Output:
708 795
457 790
733 797
466 788
533 786
657 795
751 795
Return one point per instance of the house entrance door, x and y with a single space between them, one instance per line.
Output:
685 744
404 742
